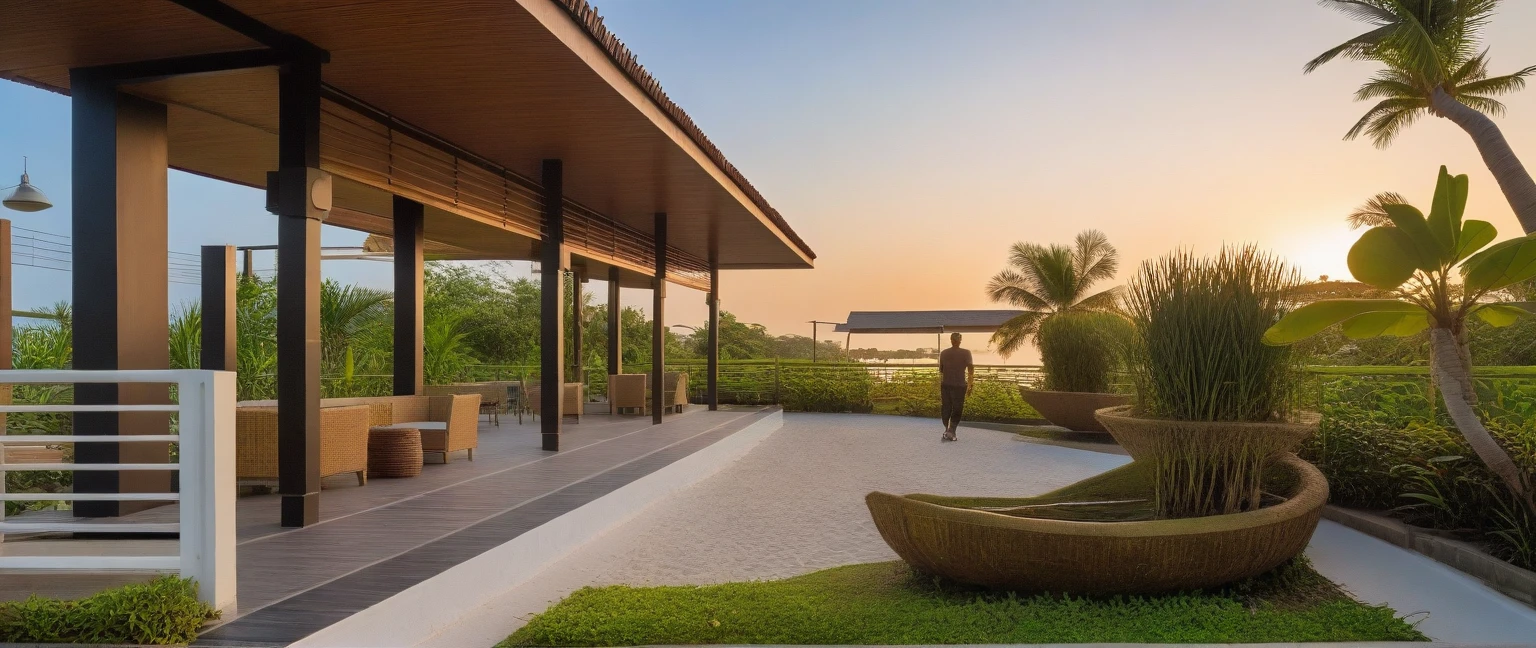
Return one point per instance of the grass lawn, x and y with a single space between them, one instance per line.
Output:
886 603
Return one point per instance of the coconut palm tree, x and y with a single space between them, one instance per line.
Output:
1434 67
348 315
1045 280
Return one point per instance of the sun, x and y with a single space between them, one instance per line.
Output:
1320 250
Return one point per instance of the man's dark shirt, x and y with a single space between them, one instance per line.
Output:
952 365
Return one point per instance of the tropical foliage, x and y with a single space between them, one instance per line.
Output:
1046 280
1081 349
1434 65
1198 353
1417 258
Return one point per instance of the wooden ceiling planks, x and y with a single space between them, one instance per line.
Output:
485 74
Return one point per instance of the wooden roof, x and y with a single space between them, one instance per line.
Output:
512 82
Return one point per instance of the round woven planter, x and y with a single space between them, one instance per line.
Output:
1072 410
1031 554
1145 437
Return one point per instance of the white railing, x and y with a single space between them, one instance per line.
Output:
205 412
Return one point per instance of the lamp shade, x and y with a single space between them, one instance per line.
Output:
26 198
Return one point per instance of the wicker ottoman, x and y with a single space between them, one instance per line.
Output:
394 452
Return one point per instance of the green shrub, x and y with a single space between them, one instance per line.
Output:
1385 445
164 611
1080 349
1199 351
827 388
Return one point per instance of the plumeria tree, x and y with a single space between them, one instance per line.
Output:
1441 271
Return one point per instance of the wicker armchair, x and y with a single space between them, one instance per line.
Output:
343 442
632 392
491 396
626 392
461 414
571 404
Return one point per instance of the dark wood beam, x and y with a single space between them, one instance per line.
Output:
119 229
301 199
615 325
659 321
578 277
712 385
218 304
151 70
552 305
410 343
252 28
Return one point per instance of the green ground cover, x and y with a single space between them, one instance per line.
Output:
886 603
164 611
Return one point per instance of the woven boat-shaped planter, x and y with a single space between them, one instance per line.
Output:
952 537
1072 410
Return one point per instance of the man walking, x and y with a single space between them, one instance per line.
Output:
958 376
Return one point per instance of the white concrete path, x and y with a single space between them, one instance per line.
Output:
795 504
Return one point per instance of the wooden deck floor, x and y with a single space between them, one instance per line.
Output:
379 539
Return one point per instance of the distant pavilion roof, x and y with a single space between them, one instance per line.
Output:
952 321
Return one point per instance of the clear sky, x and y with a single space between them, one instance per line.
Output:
910 143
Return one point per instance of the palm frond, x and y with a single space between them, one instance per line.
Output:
1389 125
1412 42
1094 258
1107 301
1011 336
1357 48
1387 84
1385 110
1371 12
1498 85
1374 212
1014 289
1485 105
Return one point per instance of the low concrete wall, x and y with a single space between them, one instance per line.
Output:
416 614
1512 581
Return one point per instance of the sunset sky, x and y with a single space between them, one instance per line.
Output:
910 143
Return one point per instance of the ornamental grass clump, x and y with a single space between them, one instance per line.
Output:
1080 350
1212 398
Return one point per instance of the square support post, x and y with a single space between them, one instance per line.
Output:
119 284
410 345
552 305
578 277
300 194
712 385
659 322
218 351
615 325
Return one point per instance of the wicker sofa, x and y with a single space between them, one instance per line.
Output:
450 424
343 442
457 418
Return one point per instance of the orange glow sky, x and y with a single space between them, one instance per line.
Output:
911 142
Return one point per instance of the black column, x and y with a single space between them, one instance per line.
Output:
218 350
120 315
712 385
409 343
615 325
578 277
659 321
300 199
552 305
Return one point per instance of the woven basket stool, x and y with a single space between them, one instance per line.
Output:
394 452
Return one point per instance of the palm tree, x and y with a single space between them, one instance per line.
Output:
1434 67
348 316
1045 280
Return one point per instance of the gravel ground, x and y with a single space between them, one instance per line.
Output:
793 505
